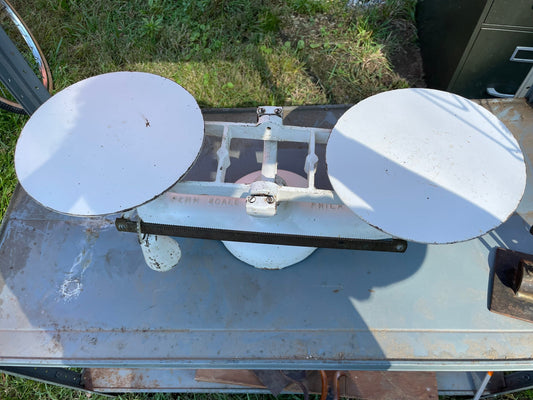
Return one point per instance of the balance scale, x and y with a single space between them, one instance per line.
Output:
406 165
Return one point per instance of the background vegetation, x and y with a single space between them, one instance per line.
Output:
227 53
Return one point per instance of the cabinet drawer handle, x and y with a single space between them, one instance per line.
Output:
493 92
522 48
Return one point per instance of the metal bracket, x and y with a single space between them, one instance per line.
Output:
269 111
263 199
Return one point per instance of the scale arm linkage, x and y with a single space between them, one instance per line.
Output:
388 245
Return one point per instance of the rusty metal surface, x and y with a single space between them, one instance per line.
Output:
506 296
118 380
74 291
368 385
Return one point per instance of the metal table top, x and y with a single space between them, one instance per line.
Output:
74 291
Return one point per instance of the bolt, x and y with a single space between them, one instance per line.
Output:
250 199
270 199
261 110
278 111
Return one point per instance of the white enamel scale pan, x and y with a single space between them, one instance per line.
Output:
426 166
109 143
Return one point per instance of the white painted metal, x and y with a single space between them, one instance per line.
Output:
426 165
278 132
263 198
223 158
269 166
109 143
267 256
293 217
311 161
239 190
161 253
218 211
270 129
263 201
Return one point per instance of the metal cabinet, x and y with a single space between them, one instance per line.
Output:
511 12
468 46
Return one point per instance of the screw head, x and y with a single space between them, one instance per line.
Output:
250 199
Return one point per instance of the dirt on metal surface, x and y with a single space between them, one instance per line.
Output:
118 378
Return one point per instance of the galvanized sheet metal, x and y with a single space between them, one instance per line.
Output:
74 291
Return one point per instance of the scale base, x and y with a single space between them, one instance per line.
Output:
268 256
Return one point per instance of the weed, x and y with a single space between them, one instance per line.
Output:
309 7
151 26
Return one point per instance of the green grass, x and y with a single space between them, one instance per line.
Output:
10 125
242 52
